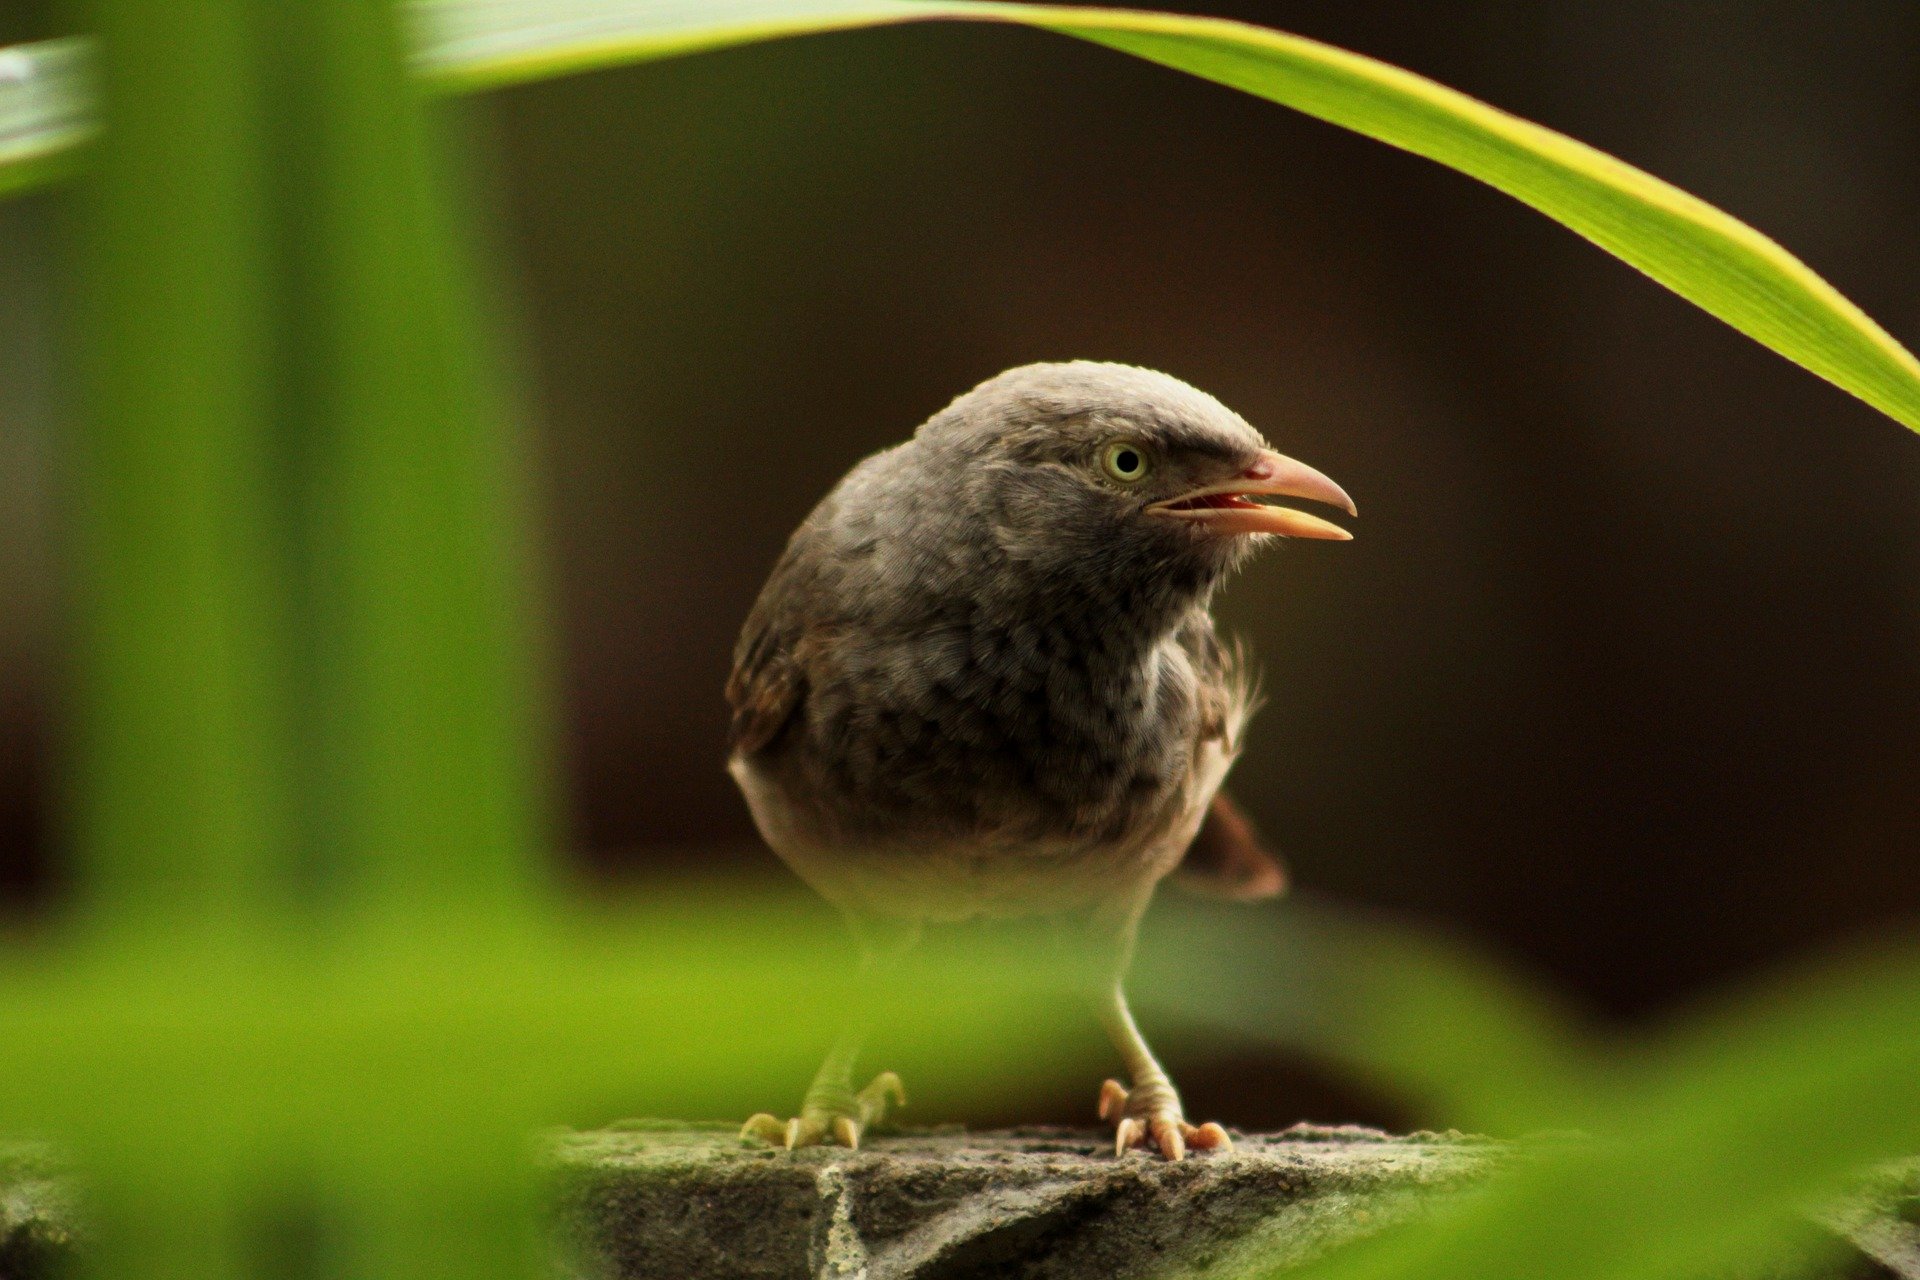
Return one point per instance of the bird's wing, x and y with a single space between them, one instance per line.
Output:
1229 687
769 681
765 690
1227 858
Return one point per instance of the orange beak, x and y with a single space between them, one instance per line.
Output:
1229 508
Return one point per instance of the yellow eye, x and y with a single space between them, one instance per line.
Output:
1125 462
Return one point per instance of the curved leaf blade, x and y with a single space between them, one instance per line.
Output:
1715 261
467 45
1708 257
46 111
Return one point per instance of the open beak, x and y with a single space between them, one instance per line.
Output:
1229 508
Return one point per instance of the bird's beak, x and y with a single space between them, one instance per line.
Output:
1229 507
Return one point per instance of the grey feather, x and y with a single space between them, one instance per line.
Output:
981 671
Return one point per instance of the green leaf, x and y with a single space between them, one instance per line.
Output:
284 382
46 111
421 615
1702 1160
1713 260
304 687
180 746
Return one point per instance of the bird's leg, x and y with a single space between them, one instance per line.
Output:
833 1111
1149 1113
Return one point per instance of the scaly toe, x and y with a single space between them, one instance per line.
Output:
1209 1137
805 1131
1154 1121
874 1098
765 1128
838 1124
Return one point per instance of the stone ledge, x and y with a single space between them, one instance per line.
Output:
36 1212
693 1202
669 1201
656 1200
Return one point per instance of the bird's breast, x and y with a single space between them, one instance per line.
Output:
1028 739
968 770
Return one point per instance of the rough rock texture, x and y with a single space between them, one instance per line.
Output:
36 1212
694 1203
1883 1221
674 1202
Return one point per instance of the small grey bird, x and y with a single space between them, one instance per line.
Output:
983 682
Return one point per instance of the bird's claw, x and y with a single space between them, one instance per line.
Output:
822 1123
1150 1117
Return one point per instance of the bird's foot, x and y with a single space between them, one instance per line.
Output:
832 1120
1149 1115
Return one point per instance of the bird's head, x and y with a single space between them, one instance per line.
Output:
1089 468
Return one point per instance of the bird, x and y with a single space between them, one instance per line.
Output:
982 682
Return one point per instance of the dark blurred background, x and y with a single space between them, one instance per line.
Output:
1622 675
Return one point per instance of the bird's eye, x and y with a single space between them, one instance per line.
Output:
1125 462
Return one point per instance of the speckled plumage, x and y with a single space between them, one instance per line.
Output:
968 646
982 679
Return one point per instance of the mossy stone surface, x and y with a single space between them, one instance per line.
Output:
668 1201
36 1212
694 1201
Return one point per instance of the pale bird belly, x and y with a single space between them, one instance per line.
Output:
949 881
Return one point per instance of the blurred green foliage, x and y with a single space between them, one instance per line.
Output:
317 961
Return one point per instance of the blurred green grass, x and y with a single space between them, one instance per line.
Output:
419 1053
318 947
